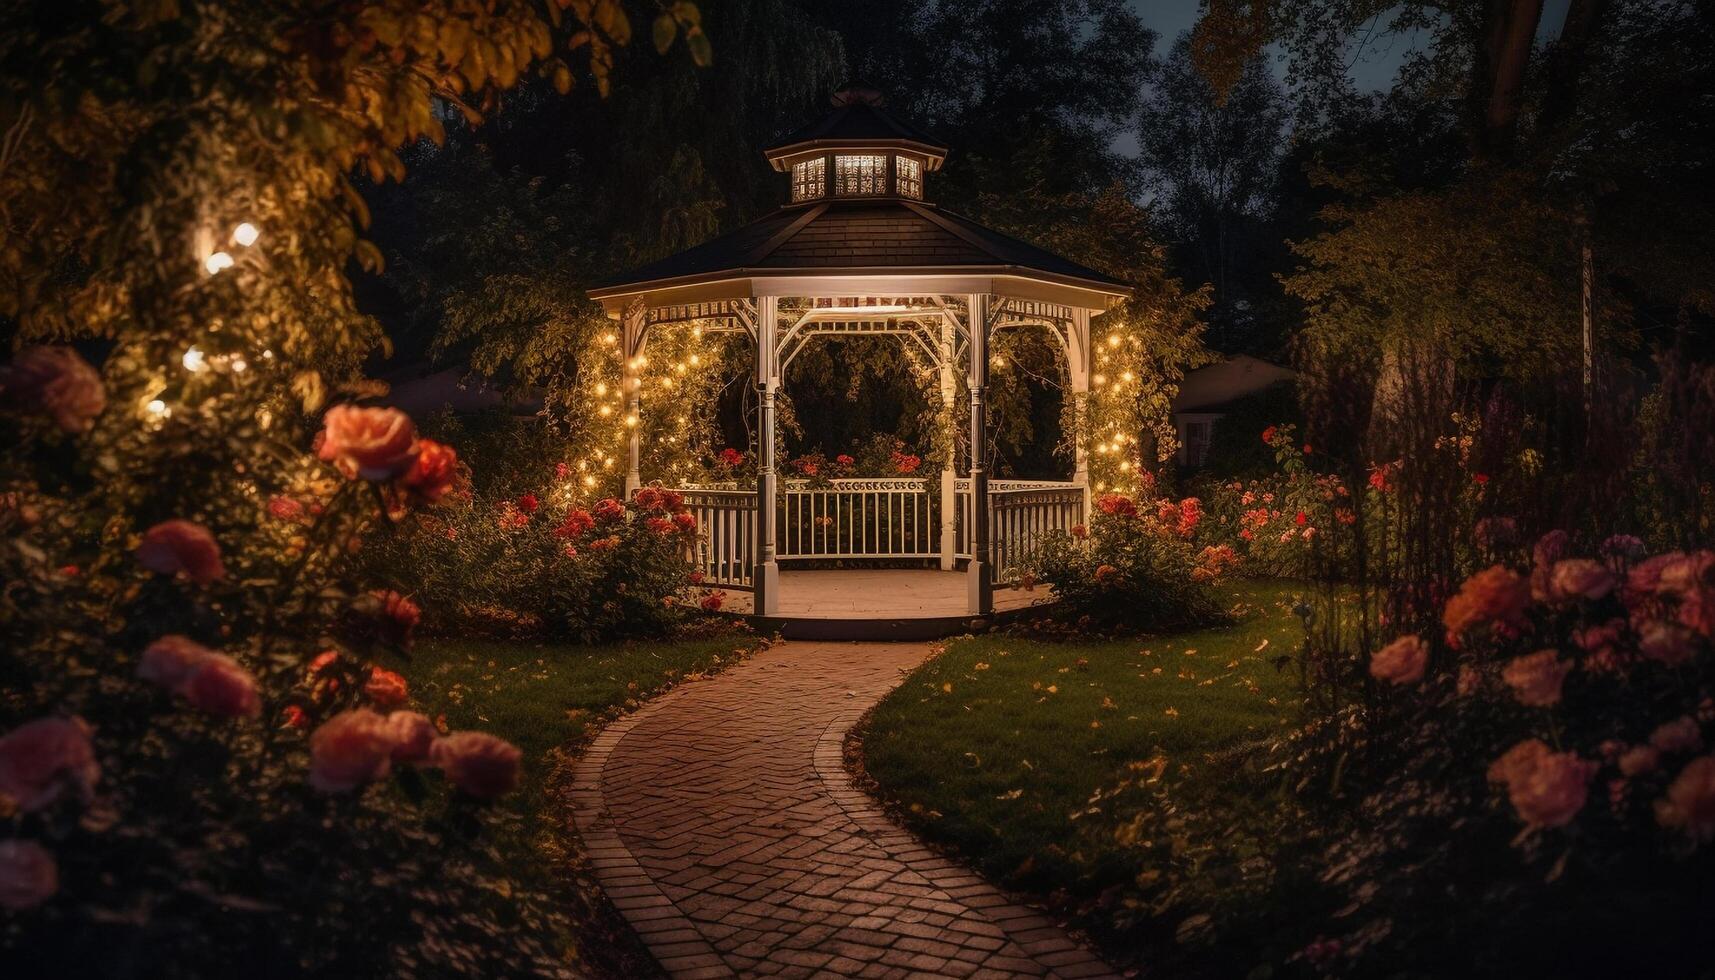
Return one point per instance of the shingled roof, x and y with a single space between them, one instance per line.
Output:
885 235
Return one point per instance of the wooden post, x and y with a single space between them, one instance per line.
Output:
981 588
950 467
766 576
1079 354
634 333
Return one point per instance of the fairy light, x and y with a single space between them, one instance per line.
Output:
1113 340
246 234
194 360
157 408
217 262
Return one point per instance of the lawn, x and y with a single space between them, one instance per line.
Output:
548 698
1000 746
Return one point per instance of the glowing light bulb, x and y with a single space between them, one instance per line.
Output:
157 408
193 360
267 355
695 360
1113 340
601 388
589 481
1100 379
697 332
217 262
239 364
606 410
631 421
1125 376
608 338
246 234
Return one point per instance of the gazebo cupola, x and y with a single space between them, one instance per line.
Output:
856 151
857 249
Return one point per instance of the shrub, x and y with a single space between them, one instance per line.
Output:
543 562
1132 568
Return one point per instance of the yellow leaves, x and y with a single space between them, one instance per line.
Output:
310 389
1095 724
1053 689
947 687
1260 647
369 256
1108 703
1011 794
979 665
1171 712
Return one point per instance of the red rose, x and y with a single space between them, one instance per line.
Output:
686 521
576 522
661 525
432 474
1268 435
713 601
844 460
398 616
170 661
609 509
40 759
386 688
350 749
1301 519
648 498
285 509
371 443
294 717
175 546
528 503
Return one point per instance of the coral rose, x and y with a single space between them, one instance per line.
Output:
40 759
478 763
176 546
368 443
1536 678
350 749
1645 577
1690 801
1666 643
1517 760
1678 735
28 875
222 688
413 735
432 473
171 660
1496 596
1400 662
1580 578
386 688
56 382
1551 789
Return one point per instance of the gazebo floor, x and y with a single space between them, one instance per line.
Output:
880 604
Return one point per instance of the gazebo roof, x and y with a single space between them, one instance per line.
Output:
859 237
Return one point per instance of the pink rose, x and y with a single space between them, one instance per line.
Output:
28 875
1400 662
413 734
1666 643
57 382
1678 735
478 763
1536 677
171 660
41 758
371 443
1638 760
1580 578
1551 789
1550 548
1517 760
1645 576
222 688
176 546
386 688
348 750
1690 801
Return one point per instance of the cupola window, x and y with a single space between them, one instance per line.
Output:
809 179
909 174
857 174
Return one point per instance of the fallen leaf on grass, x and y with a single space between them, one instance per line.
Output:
1011 794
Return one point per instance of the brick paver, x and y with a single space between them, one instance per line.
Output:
722 823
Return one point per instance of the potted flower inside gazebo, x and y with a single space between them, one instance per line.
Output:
858 249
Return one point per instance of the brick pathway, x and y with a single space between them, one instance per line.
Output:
722 823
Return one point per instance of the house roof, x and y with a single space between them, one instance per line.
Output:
874 235
1214 388
857 123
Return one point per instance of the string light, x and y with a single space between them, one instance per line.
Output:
246 234
217 262
193 360
157 408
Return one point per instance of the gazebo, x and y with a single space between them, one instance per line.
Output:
859 248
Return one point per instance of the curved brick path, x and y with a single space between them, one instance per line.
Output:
722 823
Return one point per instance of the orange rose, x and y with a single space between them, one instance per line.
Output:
1551 790
1495 596
386 688
371 443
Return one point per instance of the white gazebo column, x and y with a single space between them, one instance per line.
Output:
766 575
981 589
633 332
950 467
1079 355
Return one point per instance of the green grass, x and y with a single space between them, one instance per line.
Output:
995 745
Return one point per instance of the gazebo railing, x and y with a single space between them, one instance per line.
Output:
875 518
725 549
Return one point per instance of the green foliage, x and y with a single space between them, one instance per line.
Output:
1235 451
